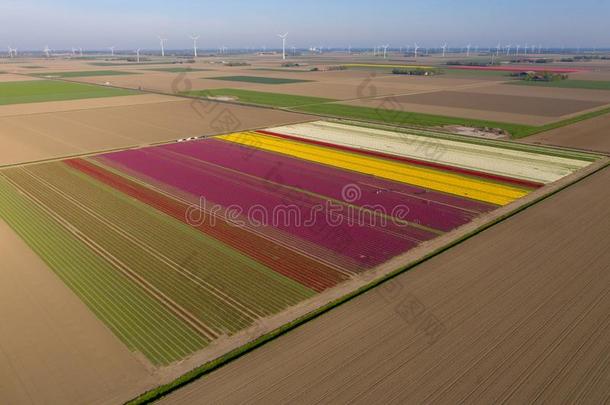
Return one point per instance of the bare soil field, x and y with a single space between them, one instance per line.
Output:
592 134
53 349
85 104
26 138
546 92
390 103
541 106
518 313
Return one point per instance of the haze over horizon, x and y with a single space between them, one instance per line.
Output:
63 24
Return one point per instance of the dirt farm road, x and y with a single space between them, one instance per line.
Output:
519 312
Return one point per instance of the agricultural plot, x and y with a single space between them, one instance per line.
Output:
178 70
259 79
36 91
568 84
259 97
181 245
85 73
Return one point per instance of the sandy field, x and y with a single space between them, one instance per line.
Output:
53 135
85 104
601 96
390 103
8 77
592 134
541 106
517 313
52 348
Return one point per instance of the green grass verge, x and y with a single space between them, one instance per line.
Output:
233 355
83 73
178 69
259 97
32 67
258 79
536 130
567 84
36 91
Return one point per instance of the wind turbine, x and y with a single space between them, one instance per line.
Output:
525 50
444 47
12 52
468 49
162 42
194 38
73 51
415 50
283 36
81 51
111 50
47 51
385 50
508 49
138 55
517 50
498 49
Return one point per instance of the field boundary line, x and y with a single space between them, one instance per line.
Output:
238 352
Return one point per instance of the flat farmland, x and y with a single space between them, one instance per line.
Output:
592 134
37 91
517 313
45 135
195 248
481 105
540 106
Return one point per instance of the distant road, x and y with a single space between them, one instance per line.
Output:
520 312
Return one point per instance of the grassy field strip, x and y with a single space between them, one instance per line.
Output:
259 97
489 159
36 91
141 322
567 84
431 179
232 296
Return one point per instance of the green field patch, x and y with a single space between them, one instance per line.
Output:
178 69
567 84
32 67
259 97
84 73
36 91
258 79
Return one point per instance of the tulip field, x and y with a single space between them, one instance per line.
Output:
177 246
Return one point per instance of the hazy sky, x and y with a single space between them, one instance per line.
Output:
30 24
